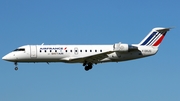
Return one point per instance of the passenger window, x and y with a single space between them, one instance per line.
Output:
90 50
66 50
100 50
44 50
80 50
55 50
50 50
71 50
95 50
85 50
40 51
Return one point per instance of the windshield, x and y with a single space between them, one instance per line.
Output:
20 49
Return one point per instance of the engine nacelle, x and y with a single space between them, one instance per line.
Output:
121 47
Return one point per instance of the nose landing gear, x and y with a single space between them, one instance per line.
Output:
16 68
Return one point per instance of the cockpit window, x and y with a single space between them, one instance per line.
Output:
20 49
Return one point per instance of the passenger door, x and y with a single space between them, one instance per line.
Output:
33 51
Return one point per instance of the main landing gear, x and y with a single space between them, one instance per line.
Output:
87 66
16 68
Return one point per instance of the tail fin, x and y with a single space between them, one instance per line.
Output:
155 37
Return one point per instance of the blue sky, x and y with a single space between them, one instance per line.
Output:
153 78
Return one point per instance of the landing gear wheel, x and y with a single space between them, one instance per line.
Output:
16 68
86 68
90 66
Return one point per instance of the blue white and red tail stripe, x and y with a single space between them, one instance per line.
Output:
155 37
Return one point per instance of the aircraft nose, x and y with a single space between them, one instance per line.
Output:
8 57
5 57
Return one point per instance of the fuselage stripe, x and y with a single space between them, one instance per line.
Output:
155 37
149 38
159 40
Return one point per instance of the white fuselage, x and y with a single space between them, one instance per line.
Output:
64 53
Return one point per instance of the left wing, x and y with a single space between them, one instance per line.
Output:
92 58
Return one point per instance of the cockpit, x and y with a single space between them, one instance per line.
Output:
19 49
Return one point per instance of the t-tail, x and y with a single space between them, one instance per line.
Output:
155 37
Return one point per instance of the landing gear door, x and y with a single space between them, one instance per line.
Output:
33 52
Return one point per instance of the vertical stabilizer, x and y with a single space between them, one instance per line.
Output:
155 37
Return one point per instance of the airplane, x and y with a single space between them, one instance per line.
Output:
88 55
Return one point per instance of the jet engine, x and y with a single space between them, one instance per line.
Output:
123 47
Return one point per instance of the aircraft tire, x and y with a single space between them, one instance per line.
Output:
16 68
86 68
90 67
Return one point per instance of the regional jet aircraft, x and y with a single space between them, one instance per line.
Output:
88 55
